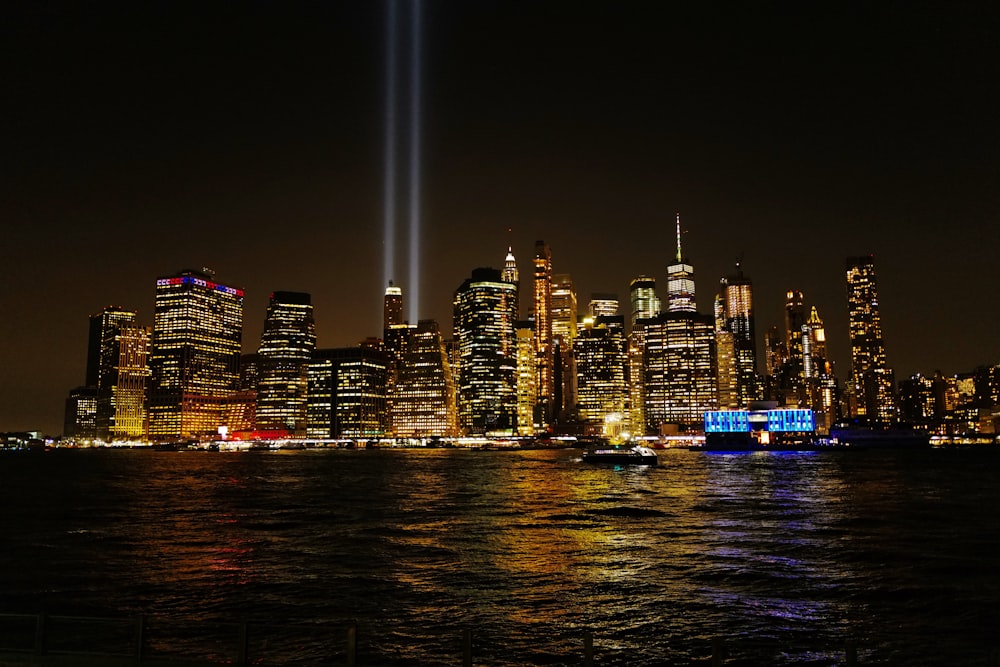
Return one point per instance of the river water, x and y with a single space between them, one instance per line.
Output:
784 557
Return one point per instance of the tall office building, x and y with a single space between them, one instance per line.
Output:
795 317
564 332
423 395
680 281
195 354
728 376
603 304
871 377
117 363
485 314
544 353
819 385
347 392
636 377
392 306
645 303
286 346
510 275
680 373
80 421
736 296
527 377
601 385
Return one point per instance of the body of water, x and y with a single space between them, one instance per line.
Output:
786 557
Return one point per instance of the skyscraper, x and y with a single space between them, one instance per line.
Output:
527 378
564 331
871 377
392 307
544 354
195 354
736 293
510 275
347 392
680 281
117 362
680 373
601 360
286 346
423 395
645 303
603 304
484 320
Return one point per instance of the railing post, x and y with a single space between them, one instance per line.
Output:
466 647
588 649
241 648
718 652
352 644
140 638
40 629
852 653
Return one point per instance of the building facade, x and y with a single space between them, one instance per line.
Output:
872 381
601 362
194 356
347 392
286 347
485 314
423 395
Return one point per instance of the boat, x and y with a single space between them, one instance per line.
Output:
621 455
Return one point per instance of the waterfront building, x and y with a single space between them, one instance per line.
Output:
642 295
117 362
762 425
347 392
680 281
286 346
80 421
564 332
679 370
485 313
871 376
601 379
603 304
194 356
728 377
544 350
423 394
636 378
527 377
737 318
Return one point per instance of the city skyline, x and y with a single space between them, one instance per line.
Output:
257 152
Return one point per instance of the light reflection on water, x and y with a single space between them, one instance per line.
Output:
787 556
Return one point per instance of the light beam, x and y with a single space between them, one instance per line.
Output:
414 204
389 158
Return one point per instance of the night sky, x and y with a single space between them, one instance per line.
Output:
143 138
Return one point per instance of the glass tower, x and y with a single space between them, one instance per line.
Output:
680 281
736 294
544 352
423 399
286 346
600 366
645 303
485 314
871 377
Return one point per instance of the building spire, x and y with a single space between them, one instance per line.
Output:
679 256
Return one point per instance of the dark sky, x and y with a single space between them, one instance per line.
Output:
143 138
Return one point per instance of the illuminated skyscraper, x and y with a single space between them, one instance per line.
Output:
564 330
795 317
645 303
347 392
636 377
680 281
736 294
510 274
544 354
600 361
527 378
728 377
81 414
680 374
392 307
286 346
820 386
117 360
423 396
195 355
603 304
485 316
871 377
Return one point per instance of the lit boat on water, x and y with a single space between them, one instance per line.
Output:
638 455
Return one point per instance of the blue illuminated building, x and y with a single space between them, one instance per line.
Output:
762 426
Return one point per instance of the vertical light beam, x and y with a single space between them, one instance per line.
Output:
414 300
389 158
